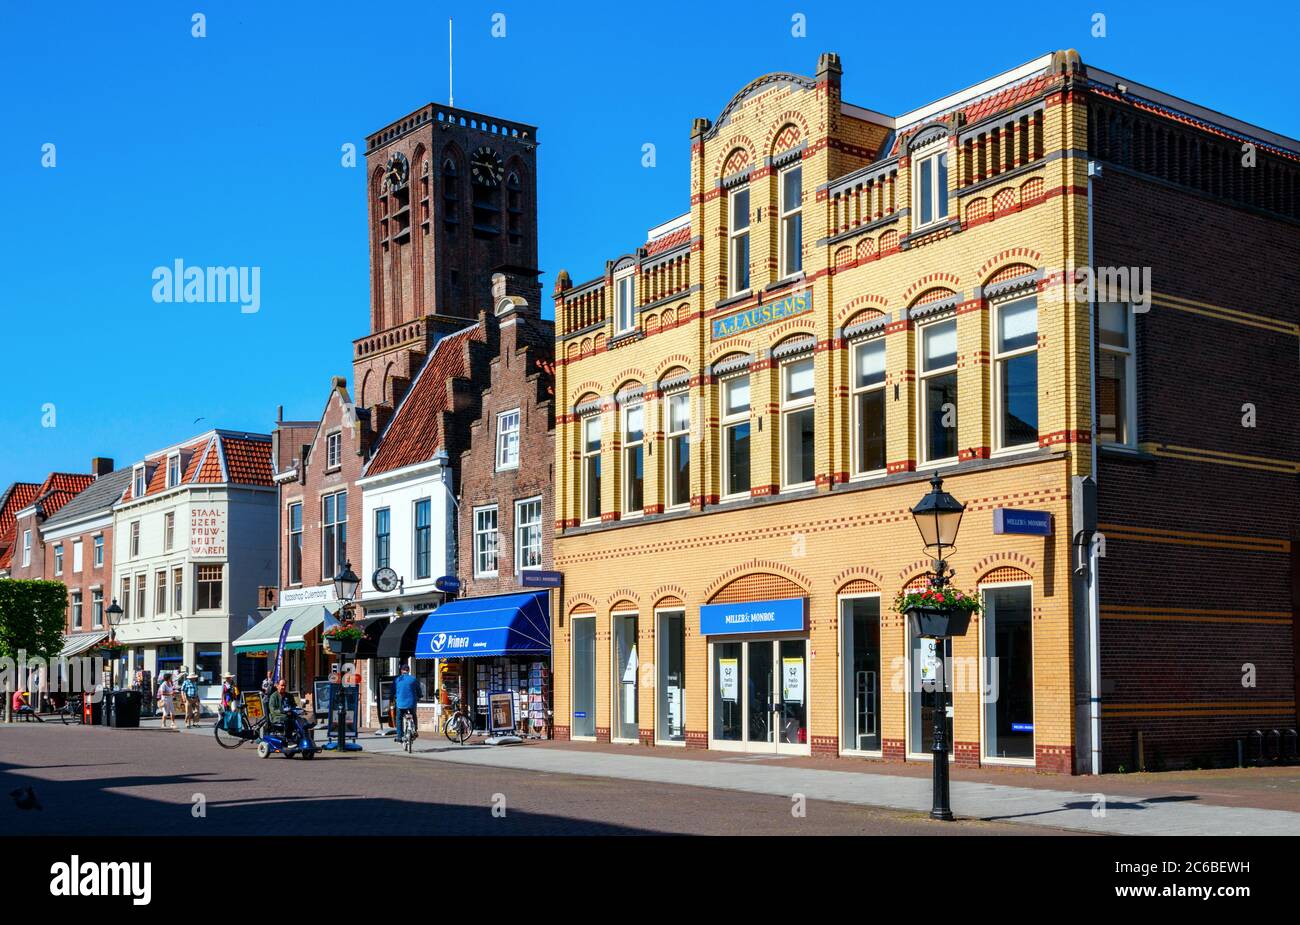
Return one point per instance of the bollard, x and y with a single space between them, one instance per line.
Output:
1274 741
1257 747
1289 746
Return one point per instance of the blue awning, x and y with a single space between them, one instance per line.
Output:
507 624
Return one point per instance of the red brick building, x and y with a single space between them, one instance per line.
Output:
27 555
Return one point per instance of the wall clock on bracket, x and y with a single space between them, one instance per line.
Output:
486 167
384 579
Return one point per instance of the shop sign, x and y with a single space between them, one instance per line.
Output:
321 594
540 578
729 679
780 616
792 674
208 531
759 315
1019 520
448 584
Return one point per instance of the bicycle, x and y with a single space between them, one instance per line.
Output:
70 712
458 726
410 731
248 732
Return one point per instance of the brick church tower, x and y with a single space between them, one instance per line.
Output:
452 199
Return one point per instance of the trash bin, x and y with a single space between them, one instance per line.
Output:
126 709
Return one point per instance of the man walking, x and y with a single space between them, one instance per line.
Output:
190 695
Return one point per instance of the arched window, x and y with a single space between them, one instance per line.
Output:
514 206
450 196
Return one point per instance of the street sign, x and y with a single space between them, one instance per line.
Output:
1019 520
448 584
540 578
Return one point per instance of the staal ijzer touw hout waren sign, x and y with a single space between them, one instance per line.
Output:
759 315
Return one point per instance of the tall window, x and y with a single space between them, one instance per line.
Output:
591 467
125 599
939 390
96 608
678 455
624 301
58 559
383 538
178 589
99 551
169 530
334 533
633 457
141 597
135 538
173 470
295 543
735 437
738 240
1016 363
791 234
27 548
868 407
508 439
207 587
798 424
333 450
76 555
1116 375
930 183
137 482
1007 637
423 539
160 592
485 542
528 534
76 610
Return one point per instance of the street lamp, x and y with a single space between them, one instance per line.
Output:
114 613
345 590
938 517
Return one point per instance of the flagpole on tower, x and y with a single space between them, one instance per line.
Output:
451 96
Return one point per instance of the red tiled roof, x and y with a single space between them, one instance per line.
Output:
247 459
19 496
248 462
668 241
1006 98
415 432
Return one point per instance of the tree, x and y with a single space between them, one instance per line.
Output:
32 617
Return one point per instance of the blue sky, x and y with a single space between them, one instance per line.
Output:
225 150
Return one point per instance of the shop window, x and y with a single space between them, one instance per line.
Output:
528 534
424 539
1007 635
738 241
1116 376
485 542
930 182
728 709
591 468
869 407
383 537
791 233
939 391
508 440
207 587
295 543
1016 373
670 664
208 662
678 456
735 437
584 677
170 658
860 648
633 457
798 424
334 534
624 677
924 667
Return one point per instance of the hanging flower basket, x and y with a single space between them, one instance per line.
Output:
111 648
937 613
343 639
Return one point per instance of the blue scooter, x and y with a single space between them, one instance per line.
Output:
300 740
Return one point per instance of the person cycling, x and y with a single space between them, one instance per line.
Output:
406 691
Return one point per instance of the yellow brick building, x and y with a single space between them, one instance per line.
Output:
750 402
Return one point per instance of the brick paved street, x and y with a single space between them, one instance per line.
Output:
143 781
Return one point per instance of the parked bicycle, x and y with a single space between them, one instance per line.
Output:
70 712
410 731
459 725
233 728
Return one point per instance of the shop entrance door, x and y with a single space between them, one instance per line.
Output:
772 696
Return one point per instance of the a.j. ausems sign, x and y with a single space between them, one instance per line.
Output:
760 315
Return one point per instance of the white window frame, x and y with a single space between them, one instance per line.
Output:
922 375
931 152
97 556
734 237
789 407
1129 353
415 538
138 482
27 548
386 558
74 604
984 682
508 451
135 539
855 414
585 456
160 595
125 602
169 530
787 218
671 436
78 556
487 542
178 589
840 601
173 470
291 532
521 524
732 419
198 568
999 358
625 301
58 558
96 608
141 592
629 510
340 517
334 450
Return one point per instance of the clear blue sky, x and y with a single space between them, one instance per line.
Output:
225 150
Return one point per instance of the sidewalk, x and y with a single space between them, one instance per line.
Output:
1154 805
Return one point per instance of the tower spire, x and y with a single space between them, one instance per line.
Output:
451 96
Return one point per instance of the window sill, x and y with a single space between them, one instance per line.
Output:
800 487
1014 450
509 468
734 299
868 476
936 463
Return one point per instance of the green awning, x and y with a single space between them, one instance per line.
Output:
265 636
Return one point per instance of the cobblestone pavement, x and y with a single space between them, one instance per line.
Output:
145 782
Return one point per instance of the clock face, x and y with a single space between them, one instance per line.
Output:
395 173
384 579
486 166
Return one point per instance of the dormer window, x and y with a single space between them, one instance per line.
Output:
930 183
173 470
137 482
624 301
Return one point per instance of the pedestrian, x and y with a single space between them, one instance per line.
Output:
266 686
165 691
190 698
229 693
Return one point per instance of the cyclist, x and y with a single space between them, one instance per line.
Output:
406 691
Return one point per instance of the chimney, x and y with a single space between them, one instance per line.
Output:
101 466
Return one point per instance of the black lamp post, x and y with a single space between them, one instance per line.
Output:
938 516
345 590
114 613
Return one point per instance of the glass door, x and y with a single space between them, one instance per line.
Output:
1007 635
760 693
760 696
924 668
624 677
584 677
671 668
792 714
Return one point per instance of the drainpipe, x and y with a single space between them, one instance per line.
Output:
1094 619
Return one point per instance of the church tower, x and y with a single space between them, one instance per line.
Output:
452 200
